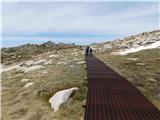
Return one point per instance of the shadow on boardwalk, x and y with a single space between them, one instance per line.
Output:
112 97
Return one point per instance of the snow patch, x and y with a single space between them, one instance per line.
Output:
132 50
60 97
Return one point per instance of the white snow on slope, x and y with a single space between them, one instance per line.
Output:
60 97
132 50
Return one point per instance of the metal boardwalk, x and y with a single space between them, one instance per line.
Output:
112 97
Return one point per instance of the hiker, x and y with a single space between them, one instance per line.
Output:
90 51
87 51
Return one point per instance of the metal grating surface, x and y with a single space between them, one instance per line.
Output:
112 97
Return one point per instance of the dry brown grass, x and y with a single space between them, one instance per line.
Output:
145 77
19 103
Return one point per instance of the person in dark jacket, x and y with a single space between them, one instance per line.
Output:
90 51
87 51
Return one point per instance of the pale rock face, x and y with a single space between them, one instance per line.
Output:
9 68
29 84
48 62
134 59
142 64
81 62
32 68
62 63
44 72
30 62
60 97
52 56
40 61
106 46
71 66
25 80
74 53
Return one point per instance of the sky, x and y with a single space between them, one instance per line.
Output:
75 22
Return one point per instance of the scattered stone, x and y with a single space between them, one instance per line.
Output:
81 62
25 80
32 68
44 72
75 53
3 88
30 62
134 59
60 97
152 80
40 61
29 84
71 66
62 63
84 103
51 56
158 59
9 68
142 64
48 62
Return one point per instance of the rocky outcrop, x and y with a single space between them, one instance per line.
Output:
134 41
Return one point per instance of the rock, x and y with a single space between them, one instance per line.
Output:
25 80
142 64
40 61
134 59
62 63
44 72
29 84
106 47
32 68
74 53
84 103
48 62
60 97
9 68
81 62
51 56
71 66
152 80
30 62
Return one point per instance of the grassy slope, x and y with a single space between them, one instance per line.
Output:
145 77
19 103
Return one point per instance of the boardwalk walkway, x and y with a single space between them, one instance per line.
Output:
112 97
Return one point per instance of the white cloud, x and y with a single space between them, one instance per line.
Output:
122 19
76 0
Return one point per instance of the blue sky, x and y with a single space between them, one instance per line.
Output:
78 22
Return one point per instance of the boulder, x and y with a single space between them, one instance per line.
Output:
60 97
